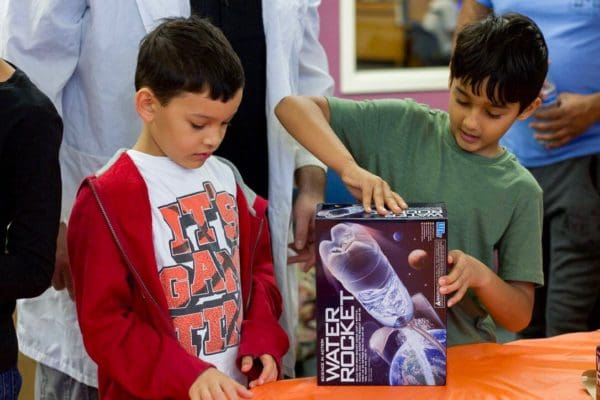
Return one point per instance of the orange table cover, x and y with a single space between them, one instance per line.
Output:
524 369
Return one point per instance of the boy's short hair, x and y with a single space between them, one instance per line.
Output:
510 51
188 55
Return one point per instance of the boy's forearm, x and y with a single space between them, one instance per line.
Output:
509 303
307 120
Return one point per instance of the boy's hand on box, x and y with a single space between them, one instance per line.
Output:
269 372
212 384
466 272
371 189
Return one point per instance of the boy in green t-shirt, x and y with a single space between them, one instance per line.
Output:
494 205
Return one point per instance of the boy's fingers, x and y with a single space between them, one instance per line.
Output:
452 284
243 392
274 371
231 390
367 197
209 394
400 201
263 377
453 256
457 297
394 202
247 362
378 199
267 372
219 392
195 395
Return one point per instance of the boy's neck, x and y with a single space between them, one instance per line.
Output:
6 71
145 144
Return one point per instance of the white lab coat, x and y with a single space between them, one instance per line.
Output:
82 54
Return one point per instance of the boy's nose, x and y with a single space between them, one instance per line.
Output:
470 123
213 137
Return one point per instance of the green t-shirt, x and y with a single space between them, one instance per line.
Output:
492 203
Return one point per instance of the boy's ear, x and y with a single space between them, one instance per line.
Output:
530 109
145 104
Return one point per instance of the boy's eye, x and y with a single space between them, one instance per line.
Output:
493 115
194 126
461 102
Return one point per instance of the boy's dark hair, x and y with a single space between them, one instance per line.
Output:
510 51
188 55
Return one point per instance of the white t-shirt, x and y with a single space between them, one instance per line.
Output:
195 234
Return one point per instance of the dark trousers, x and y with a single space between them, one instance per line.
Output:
10 384
570 299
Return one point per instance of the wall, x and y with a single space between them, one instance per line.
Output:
330 31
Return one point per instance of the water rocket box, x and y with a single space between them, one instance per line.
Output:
380 317
598 372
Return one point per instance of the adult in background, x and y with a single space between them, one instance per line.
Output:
82 54
560 145
30 135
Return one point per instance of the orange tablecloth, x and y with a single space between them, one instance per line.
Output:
524 369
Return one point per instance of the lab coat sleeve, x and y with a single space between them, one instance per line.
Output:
42 37
314 78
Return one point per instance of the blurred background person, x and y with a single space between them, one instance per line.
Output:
30 135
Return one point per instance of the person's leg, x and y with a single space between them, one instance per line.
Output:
574 253
51 384
10 384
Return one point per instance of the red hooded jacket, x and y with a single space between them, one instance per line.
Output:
121 307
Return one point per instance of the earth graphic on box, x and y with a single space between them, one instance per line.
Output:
419 361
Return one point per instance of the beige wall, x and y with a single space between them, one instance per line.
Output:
27 369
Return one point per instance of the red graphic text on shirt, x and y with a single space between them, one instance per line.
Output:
203 287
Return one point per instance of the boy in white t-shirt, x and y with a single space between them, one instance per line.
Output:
169 249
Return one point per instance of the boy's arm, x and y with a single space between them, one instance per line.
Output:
509 303
27 259
307 120
507 295
145 360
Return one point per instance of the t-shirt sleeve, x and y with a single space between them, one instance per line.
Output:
34 189
486 3
520 249
365 126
